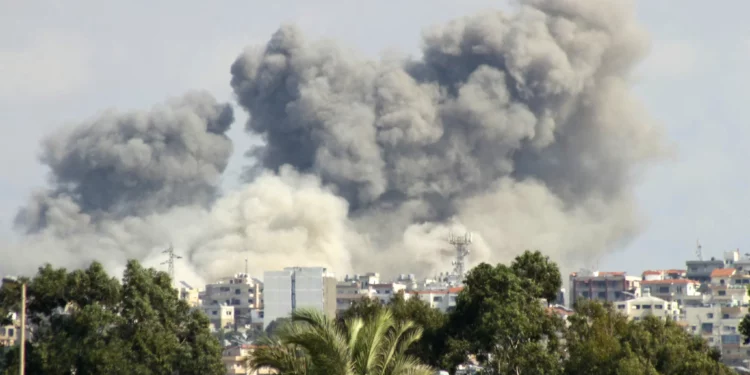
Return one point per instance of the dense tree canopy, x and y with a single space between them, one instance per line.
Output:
86 322
500 318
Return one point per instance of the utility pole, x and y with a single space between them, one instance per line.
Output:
22 370
171 256
246 267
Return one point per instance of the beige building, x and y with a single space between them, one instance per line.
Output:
719 325
241 292
235 361
602 286
219 316
678 290
9 334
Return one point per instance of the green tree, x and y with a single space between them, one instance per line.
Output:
504 324
89 323
537 269
431 320
601 341
314 344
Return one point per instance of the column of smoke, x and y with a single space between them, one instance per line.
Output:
521 128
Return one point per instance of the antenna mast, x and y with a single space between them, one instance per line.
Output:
171 256
461 243
699 250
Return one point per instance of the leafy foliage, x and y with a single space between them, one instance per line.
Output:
89 323
539 273
601 341
314 344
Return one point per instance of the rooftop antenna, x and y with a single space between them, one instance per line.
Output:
246 267
461 243
698 250
171 256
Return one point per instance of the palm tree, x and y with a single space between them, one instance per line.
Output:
315 345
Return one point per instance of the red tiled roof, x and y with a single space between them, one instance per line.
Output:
722 272
559 311
650 272
611 273
669 281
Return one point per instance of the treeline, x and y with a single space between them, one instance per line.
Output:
499 318
85 322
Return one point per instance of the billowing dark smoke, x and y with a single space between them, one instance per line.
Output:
135 163
519 127
495 102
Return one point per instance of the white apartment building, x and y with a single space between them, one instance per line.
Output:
640 307
234 359
719 325
651 275
297 287
365 286
678 290
441 299
602 286
700 270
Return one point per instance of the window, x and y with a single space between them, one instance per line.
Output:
663 289
722 292
437 299
602 295
224 288
11 332
679 289
710 315
721 281
637 307
659 307
237 291
725 316
621 306
707 327
730 339
214 312
228 312
585 294
646 306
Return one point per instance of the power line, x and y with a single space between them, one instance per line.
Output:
171 256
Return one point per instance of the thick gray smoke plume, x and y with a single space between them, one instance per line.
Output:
521 128
532 109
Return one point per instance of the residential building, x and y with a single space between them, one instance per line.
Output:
651 275
646 305
348 292
719 325
190 295
700 270
298 287
441 299
602 286
240 291
219 316
9 334
235 360
678 290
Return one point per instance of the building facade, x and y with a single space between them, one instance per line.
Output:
235 361
641 307
602 286
297 287
719 325
242 292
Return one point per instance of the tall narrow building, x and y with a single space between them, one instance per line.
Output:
297 287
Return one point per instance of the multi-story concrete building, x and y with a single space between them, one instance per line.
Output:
647 305
235 360
220 316
678 290
9 334
602 286
240 291
700 270
441 299
651 275
297 287
719 325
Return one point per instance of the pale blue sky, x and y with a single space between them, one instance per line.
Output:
61 62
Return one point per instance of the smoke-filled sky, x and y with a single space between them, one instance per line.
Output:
600 138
